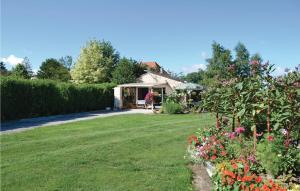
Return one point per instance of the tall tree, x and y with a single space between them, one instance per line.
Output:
127 71
96 62
20 71
67 61
26 63
3 70
217 65
242 60
256 57
53 69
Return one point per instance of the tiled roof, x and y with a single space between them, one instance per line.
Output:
152 65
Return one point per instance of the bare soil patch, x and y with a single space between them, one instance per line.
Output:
201 179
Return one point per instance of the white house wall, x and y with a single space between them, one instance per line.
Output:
154 78
118 97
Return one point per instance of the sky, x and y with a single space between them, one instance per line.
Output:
175 33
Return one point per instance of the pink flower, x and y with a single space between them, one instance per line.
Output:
259 134
252 158
240 130
232 135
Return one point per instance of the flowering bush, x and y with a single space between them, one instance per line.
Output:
238 175
208 145
263 115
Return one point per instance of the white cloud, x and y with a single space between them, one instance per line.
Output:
35 71
12 60
204 55
193 68
279 71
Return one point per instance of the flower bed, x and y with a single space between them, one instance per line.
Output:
255 142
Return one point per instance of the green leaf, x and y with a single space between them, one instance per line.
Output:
276 126
241 113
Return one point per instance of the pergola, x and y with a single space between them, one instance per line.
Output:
137 92
188 88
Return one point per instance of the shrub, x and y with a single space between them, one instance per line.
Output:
31 98
274 157
172 108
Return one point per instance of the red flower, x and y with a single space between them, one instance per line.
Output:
213 157
229 173
270 138
246 169
234 166
192 139
223 153
258 179
247 178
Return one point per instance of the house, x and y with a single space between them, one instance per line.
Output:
156 80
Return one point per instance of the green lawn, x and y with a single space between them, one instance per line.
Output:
127 152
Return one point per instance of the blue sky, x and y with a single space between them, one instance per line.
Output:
176 34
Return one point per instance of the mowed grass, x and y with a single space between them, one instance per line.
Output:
126 152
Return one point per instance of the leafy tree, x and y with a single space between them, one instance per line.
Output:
53 69
256 57
96 62
3 70
219 62
67 61
195 77
242 60
20 71
127 71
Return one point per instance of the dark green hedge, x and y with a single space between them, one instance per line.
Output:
31 98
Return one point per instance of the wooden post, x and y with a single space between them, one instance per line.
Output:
162 95
136 96
152 99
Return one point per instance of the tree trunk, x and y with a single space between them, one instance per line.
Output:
269 116
254 138
233 122
287 142
218 121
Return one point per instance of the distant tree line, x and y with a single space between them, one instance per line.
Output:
219 62
99 62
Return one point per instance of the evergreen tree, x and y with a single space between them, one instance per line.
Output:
27 65
242 60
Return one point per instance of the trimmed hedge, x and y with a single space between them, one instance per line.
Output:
31 98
